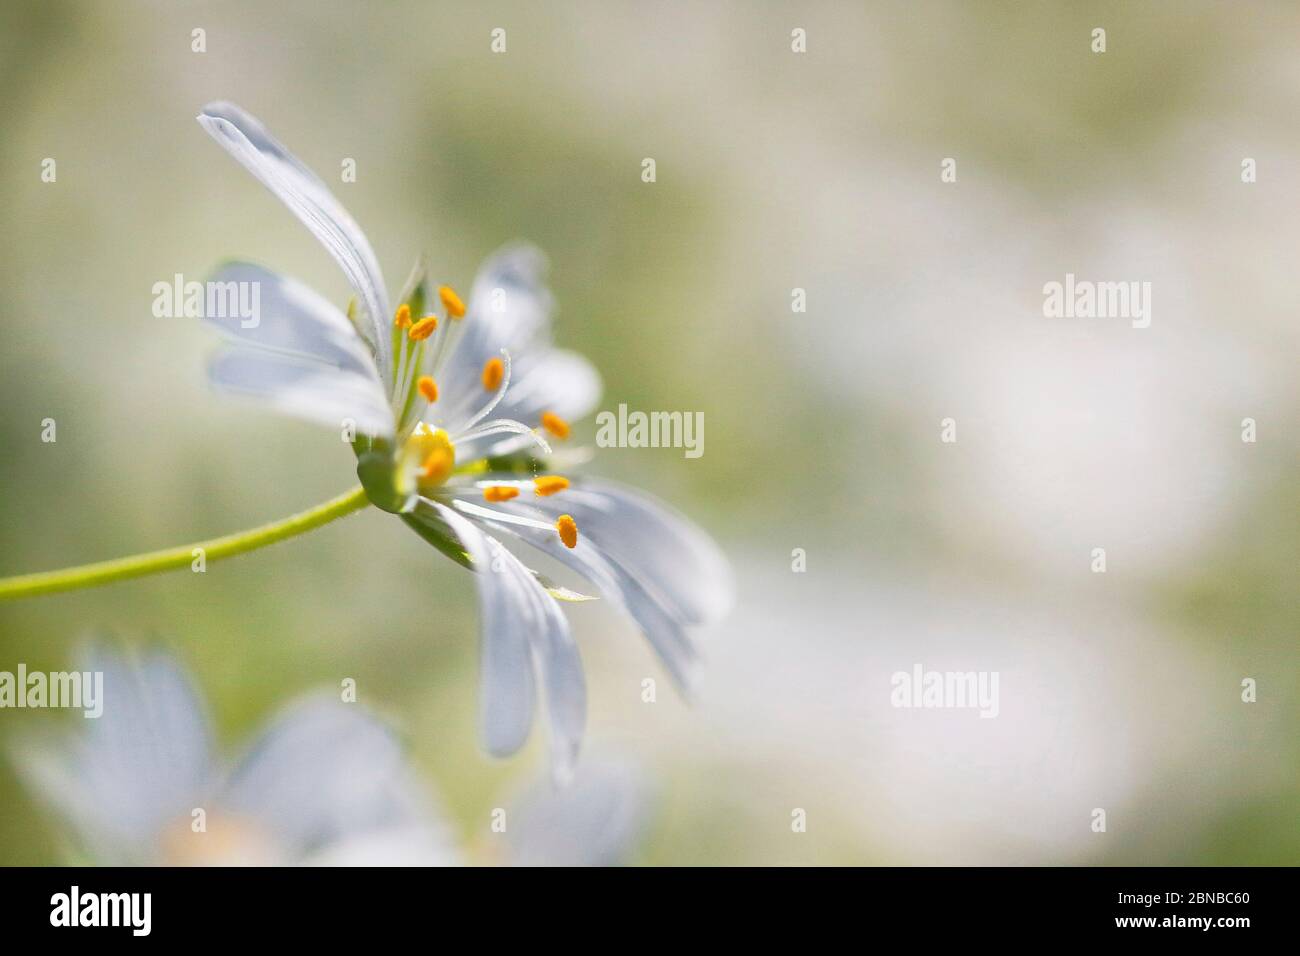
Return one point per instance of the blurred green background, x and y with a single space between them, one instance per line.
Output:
776 171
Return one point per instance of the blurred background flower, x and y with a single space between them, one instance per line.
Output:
775 171
140 784
324 784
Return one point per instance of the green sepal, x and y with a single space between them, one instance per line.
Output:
440 535
375 470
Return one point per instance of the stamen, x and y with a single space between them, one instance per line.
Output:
568 529
550 485
492 402
556 425
499 426
428 388
500 493
451 301
493 371
423 329
403 318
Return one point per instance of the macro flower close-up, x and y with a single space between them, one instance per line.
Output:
451 414
675 435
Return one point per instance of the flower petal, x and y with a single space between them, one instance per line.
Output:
520 618
307 197
391 846
510 308
141 765
509 305
594 821
293 319
553 380
304 389
662 629
323 773
657 544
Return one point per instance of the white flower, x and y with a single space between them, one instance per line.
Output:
140 784
451 413
326 784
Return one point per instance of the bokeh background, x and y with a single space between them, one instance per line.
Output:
775 171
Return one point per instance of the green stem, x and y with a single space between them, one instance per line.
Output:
170 559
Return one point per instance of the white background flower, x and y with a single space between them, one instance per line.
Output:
325 783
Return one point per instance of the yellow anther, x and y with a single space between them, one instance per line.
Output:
423 329
403 319
451 301
493 371
500 492
428 388
554 424
568 529
550 484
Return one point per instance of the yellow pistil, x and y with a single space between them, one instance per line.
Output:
556 425
568 529
423 329
493 371
550 485
438 465
500 492
451 301
403 318
432 451
428 388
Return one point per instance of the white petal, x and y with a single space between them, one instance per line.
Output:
509 304
663 629
304 389
390 846
509 308
324 772
556 381
507 691
140 766
306 196
677 561
596 820
461 419
552 380
293 320
519 617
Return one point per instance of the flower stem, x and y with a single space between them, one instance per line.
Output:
170 559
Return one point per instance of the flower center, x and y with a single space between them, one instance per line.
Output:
225 841
429 452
